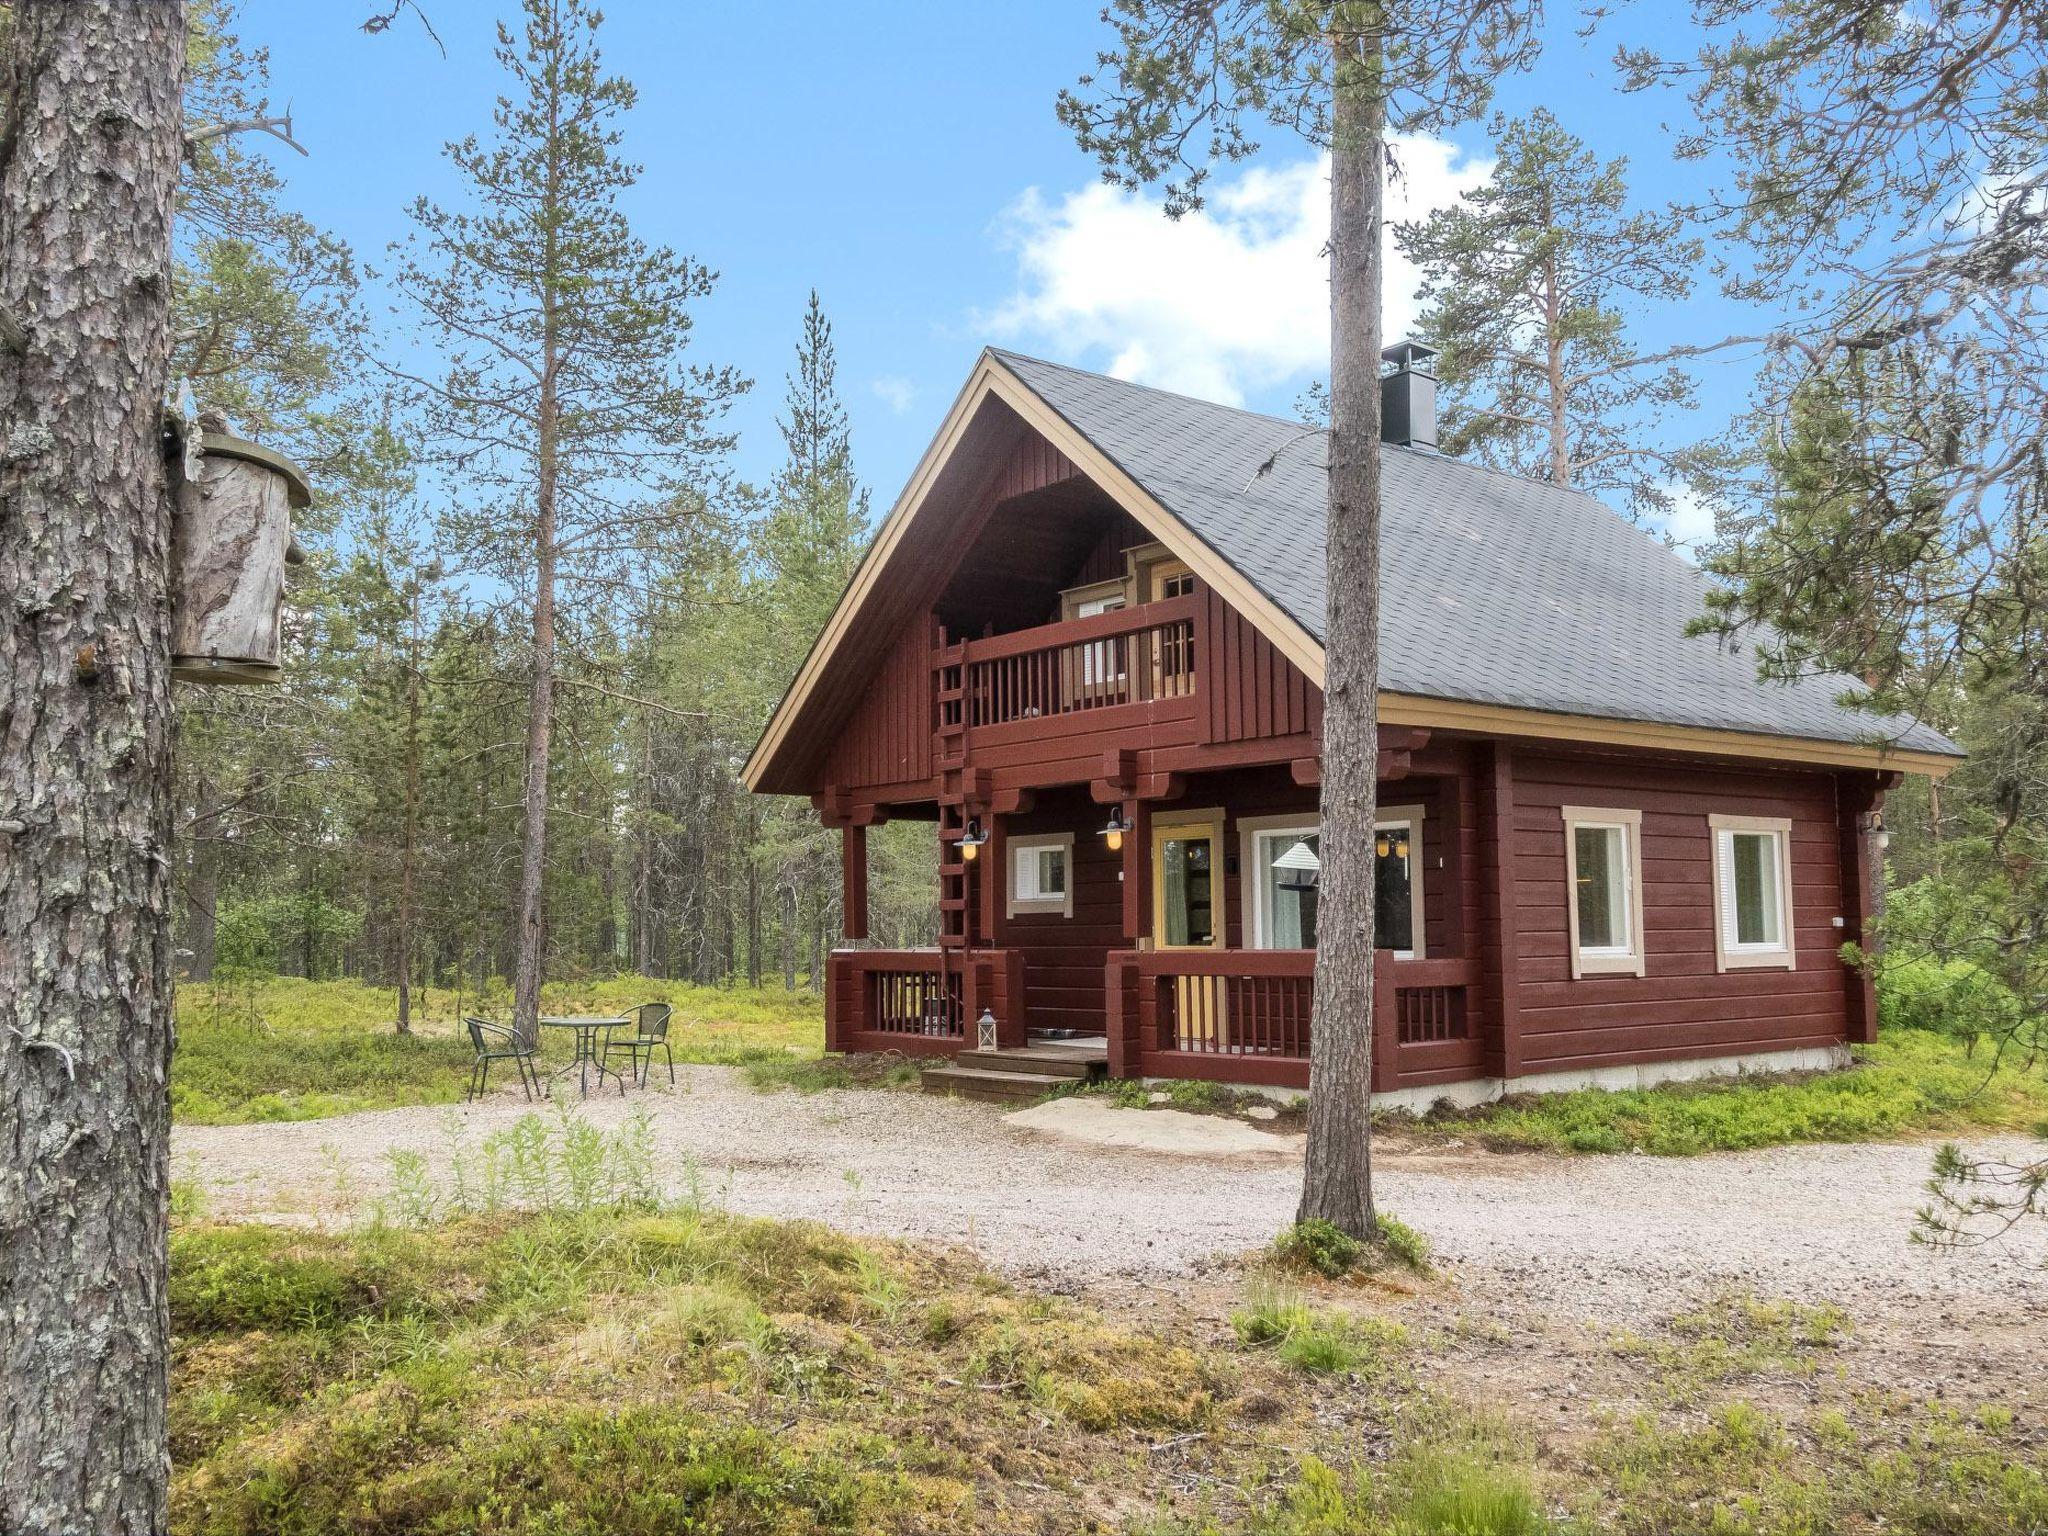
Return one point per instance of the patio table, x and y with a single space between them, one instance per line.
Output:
586 1026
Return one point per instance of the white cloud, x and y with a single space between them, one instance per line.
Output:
896 391
1691 521
1229 300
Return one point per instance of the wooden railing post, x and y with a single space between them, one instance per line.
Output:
842 1005
1120 1016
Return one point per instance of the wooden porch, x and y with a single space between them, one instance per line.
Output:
1234 1016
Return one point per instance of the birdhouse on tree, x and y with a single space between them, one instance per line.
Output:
231 537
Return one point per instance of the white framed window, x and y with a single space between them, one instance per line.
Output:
1281 857
1752 891
1042 874
1604 890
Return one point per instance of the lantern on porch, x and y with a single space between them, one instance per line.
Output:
231 538
1113 833
971 840
985 1030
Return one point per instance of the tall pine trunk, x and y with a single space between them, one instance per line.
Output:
531 959
1337 1185
540 719
408 864
88 176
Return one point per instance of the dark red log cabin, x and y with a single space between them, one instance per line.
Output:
1087 645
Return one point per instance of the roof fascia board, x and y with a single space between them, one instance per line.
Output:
1278 626
1504 720
868 575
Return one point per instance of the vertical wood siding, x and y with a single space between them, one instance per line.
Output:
1256 692
888 738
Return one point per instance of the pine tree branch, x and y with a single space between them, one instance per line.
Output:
279 128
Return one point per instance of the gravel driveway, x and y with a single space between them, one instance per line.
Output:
1615 1239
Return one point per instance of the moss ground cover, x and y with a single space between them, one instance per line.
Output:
287 1049
629 1367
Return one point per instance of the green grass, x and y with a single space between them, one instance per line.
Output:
1317 1340
300 1050
1910 1082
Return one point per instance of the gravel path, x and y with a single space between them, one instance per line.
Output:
1616 1239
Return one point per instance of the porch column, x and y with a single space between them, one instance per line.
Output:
1137 871
994 863
1501 955
853 875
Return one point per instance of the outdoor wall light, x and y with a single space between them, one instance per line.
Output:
971 840
1113 832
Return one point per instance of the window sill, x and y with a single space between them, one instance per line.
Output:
1606 965
1759 960
1057 906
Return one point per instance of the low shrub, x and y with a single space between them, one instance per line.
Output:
1946 997
1321 1247
1318 1245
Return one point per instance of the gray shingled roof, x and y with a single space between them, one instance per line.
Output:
1495 589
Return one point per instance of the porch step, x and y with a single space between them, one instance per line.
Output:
995 1087
1037 1061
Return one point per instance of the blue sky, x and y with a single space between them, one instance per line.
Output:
903 159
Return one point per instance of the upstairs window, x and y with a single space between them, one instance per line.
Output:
1752 891
1042 874
1604 903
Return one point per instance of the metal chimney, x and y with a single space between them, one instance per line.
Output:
1408 396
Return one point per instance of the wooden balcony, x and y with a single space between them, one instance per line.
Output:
1104 673
1242 1016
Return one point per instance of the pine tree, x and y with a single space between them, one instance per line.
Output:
1529 282
1188 85
576 439
88 183
1885 171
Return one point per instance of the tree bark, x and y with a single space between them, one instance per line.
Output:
1337 1184
789 933
530 965
88 175
408 863
753 898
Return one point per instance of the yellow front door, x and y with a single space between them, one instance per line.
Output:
1188 913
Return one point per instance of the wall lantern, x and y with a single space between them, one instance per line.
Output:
971 840
231 538
1113 832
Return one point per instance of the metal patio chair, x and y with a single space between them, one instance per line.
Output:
649 1026
494 1042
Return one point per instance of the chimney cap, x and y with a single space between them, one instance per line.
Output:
1410 356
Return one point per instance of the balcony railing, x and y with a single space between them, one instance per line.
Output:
1243 1016
1141 655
